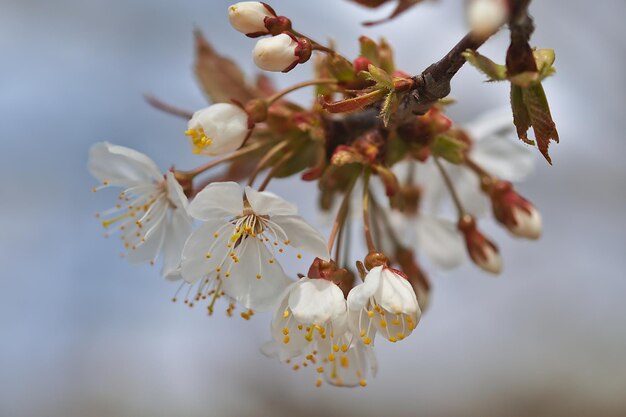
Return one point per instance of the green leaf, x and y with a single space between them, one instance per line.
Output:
449 148
380 77
495 72
341 68
389 107
369 49
386 56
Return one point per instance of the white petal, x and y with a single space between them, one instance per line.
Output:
195 264
359 296
504 157
474 200
217 200
302 236
316 301
248 17
175 192
268 203
225 124
178 230
529 225
119 165
440 240
492 262
395 294
149 249
244 285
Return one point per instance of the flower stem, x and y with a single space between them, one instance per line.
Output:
342 213
280 94
277 166
366 213
238 153
266 160
451 189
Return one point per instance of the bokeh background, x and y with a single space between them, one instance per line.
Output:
82 333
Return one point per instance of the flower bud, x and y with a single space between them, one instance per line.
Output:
482 251
486 16
218 129
281 53
249 17
361 64
513 211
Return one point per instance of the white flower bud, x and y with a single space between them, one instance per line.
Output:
248 17
218 129
278 53
491 260
528 225
486 16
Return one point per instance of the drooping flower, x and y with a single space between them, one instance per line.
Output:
434 234
248 17
385 303
151 211
481 250
218 129
516 213
281 53
235 250
310 323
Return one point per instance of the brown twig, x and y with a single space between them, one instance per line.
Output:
168 108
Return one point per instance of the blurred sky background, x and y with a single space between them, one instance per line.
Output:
85 334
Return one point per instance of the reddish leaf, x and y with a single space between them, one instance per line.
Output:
541 118
220 78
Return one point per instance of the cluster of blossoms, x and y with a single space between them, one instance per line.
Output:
383 153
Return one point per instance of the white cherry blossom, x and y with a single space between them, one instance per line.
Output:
310 324
235 251
385 303
218 129
150 213
486 16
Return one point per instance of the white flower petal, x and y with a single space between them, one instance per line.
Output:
359 296
504 157
119 165
149 249
175 192
195 264
440 240
395 294
268 203
316 301
244 284
302 236
217 200
177 232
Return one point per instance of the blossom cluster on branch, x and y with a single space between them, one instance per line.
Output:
384 155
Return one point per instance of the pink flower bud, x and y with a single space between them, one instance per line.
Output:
281 53
361 64
249 17
486 16
482 251
513 211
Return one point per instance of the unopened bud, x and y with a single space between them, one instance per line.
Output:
482 251
486 16
513 211
281 53
250 17
361 64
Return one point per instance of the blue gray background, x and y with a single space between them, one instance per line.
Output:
85 334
